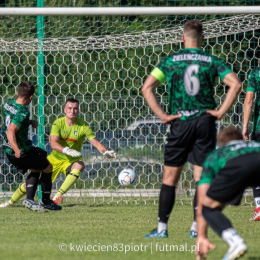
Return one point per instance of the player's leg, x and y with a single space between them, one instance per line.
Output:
46 186
39 162
194 227
256 189
175 155
73 173
21 191
256 193
205 142
31 182
212 213
227 189
171 177
17 195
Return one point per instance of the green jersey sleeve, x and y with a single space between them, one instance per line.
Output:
222 69
89 133
20 117
55 129
206 177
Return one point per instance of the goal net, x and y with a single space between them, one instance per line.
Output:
103 61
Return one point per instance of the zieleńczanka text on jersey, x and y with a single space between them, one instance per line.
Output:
183 57
10 108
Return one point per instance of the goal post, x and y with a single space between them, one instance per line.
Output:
101 56
128 11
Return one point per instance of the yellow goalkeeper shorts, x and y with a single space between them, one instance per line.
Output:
59 166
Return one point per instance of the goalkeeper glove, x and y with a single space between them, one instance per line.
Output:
110 154
71 152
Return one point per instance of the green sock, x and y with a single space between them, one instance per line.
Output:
18 194
69 181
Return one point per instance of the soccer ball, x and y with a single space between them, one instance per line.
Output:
126 177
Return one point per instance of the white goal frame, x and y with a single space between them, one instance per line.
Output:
110 11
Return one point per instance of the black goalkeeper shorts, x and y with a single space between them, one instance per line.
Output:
35 158
190 140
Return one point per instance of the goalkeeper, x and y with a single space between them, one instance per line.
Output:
66 138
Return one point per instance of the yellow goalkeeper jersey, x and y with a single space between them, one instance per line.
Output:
70 136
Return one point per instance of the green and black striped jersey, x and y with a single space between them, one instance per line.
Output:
19 115
191 76
253 85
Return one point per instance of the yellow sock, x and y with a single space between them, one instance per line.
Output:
18 194
69 181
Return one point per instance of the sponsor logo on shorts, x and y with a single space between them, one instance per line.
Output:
188 113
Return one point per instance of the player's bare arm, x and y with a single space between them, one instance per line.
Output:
102 149
203 245
54 141
99 146
12 129
148 92
248 104
232 81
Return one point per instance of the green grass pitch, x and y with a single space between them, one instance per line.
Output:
112 231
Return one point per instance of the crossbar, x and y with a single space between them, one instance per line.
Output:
121 11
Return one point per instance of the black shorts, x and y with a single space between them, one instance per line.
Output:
238 174
35 158
190 141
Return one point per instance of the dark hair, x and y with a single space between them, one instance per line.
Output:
26 89
228 134
193 28
72 100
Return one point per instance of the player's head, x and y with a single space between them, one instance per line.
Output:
71 108
25 91
228 134
192 32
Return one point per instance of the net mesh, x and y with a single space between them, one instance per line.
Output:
103 61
